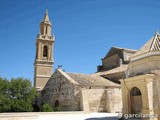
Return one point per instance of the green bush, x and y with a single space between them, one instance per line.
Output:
46 108
58 108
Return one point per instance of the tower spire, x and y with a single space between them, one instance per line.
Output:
45 25
46 17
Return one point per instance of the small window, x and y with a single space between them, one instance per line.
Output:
45 51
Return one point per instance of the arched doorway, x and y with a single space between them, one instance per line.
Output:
56 104
136 101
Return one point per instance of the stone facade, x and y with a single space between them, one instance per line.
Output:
115 58
73 94
102 100
140 89
115 64
60 89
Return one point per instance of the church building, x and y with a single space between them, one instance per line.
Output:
71 91
128 81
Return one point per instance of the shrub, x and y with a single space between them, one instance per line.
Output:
58 108
46 108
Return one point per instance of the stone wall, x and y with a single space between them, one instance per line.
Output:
61 90
96 99
114 100
126 56
102 100
156 95
145 65
75 97
114 58
111 62
93 100
41 82
145 84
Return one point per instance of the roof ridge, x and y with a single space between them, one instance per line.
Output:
77 73
67 76
123 48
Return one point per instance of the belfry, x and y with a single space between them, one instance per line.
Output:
43 64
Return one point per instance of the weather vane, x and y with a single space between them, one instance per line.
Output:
59 66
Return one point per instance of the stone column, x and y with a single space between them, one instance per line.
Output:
147 99
125 98
150 95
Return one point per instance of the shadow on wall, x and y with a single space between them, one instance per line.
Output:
102 106
97 100
103 118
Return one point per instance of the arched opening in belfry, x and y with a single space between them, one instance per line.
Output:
56 104
46 30
136 101
45 51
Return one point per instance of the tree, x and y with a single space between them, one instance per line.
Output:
17 95
5 102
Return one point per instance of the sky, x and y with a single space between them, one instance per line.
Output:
85 30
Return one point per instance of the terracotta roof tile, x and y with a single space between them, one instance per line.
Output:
91 80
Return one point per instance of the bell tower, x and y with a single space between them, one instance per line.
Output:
43 64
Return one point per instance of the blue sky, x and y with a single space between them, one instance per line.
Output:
84 30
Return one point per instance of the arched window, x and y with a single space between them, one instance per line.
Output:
46 30
135 101
135 92
45 51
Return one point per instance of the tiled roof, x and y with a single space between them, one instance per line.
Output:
91 80
152 45
119 69
118 50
